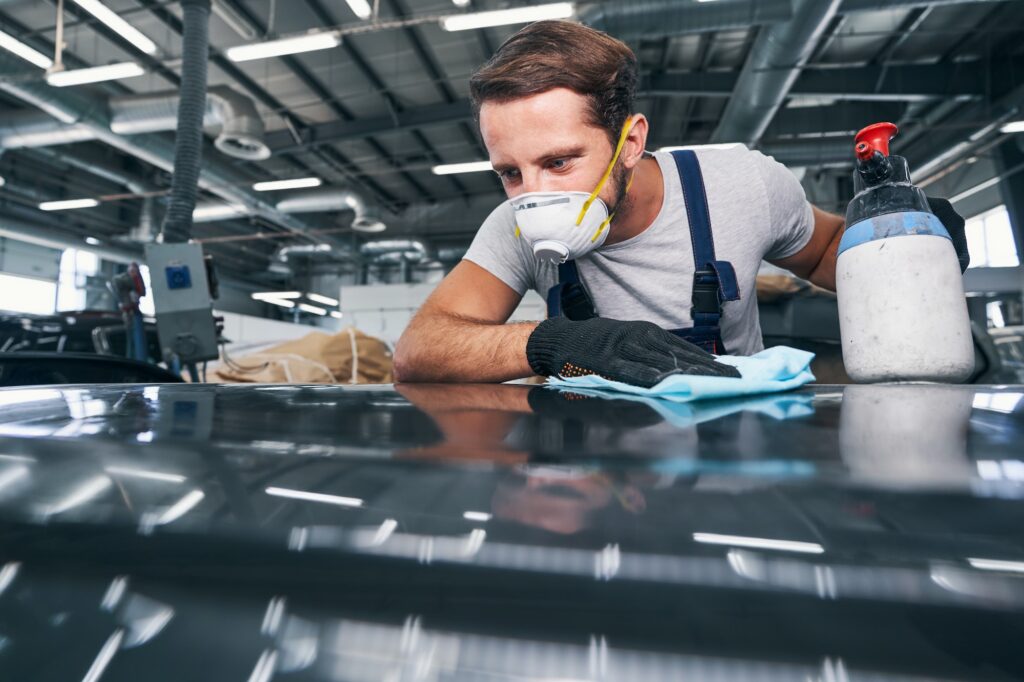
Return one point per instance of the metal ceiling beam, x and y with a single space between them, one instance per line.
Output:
834 118
900 84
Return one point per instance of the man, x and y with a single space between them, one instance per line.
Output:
648 261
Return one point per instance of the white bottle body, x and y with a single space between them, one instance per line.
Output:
902 311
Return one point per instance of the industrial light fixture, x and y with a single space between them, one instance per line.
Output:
95 74
504 17
460 3
320 298
315 497
316 310
997 565
294 183
284 303
118 25
337 314
476 516
264 295
218 211
361 8
321 40
469 167
2 181
1013 127
31 55
68 204
758 543
92 241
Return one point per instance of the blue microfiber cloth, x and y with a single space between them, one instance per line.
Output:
773 370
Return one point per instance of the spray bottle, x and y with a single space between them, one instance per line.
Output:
902 311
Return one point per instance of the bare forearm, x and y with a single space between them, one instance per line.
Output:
824 274
441 348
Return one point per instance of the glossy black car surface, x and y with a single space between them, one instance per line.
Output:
197 532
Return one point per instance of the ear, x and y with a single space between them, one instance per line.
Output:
636 141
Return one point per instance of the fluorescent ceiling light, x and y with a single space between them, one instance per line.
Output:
470 167
215 211
315 497
759 543
337 315
118 25
68 204
95 74
361 8
275 48
312 309
92 241
284 303
997 565
476 516
145 473
15 46
460 3
295 183
503 17
263 295
2 181
1013 127
320 298
181 507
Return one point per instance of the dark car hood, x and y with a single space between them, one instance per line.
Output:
510 532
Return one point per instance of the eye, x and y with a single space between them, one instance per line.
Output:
559 164
509 175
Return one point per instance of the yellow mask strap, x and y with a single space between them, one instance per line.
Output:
608 220
608 171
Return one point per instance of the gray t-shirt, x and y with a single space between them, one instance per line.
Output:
758 211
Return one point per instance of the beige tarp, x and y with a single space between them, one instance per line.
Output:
348 357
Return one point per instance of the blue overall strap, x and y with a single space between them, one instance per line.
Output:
569 297
714 281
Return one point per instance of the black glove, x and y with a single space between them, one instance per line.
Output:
638 353
954 224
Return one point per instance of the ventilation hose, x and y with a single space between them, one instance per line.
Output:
188 150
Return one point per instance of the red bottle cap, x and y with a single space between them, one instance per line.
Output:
874 138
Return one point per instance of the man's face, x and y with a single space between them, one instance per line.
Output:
545 143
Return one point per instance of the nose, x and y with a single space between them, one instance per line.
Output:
533 181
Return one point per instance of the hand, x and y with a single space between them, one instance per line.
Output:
954 224
637 353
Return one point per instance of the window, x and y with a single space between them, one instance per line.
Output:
75 267
990 239
27 294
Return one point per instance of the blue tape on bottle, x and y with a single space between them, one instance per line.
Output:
910 223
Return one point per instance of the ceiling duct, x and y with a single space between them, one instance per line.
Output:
660 18
395 250
323 200
774 62
238 126
231 116
80 106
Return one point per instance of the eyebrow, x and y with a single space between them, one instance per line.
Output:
556 154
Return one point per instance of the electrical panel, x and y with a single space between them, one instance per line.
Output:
182 301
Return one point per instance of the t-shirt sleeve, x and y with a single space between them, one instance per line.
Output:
497 250
790 214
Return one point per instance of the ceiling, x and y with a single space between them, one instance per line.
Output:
376 113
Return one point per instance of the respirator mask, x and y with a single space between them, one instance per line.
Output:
561 226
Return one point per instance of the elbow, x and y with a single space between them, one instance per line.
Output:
404 363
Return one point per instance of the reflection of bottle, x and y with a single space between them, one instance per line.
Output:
902 311
906 435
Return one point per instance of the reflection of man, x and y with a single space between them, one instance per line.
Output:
476 420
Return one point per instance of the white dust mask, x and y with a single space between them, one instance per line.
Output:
562 226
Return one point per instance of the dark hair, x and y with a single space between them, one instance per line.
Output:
562 54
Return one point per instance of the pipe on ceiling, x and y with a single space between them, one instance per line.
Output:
662 18
778 54
322 200
384 250
80 106
229 115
